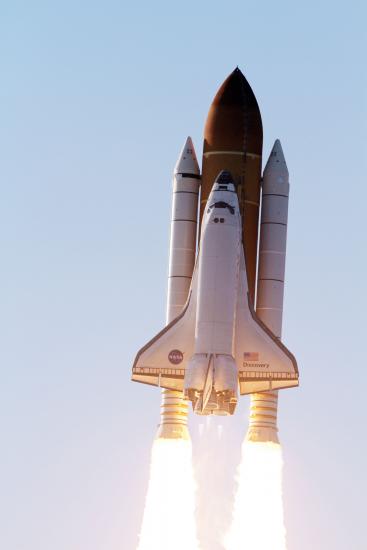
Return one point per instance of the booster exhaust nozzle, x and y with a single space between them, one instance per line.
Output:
173 431
174 411
263 418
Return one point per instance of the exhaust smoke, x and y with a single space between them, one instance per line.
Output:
169 514
258 518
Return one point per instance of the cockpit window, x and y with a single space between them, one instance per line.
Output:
221 204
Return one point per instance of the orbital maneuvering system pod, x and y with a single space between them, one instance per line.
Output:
215 346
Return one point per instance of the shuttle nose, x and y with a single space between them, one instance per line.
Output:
224 182
224 178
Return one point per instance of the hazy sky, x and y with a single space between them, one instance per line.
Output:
97 99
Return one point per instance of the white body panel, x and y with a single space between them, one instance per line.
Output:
273 241
186 184
217 344
270 286
218 263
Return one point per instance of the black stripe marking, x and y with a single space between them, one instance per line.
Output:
277 280
274 223
188 192
180 220
187 175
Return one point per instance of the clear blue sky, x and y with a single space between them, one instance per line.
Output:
97 99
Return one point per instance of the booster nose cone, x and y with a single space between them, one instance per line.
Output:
276 162
187 162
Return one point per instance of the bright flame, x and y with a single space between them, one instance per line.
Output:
169 515
258 520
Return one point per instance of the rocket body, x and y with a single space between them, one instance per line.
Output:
218 272
270 284
218 278
273 241
186 183
184 222
215 347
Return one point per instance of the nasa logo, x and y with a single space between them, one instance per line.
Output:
175 356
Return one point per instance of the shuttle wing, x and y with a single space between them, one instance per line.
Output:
263 362
163 361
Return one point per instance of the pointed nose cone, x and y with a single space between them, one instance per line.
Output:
276 161
276 176
234 120
187 162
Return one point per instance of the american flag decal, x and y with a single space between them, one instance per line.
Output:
251 356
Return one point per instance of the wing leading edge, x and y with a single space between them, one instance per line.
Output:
163 360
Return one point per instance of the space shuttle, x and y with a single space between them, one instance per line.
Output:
217 348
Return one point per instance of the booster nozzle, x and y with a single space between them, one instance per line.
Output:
174 412
173 431
263 418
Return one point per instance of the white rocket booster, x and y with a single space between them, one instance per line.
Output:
186 185
270 283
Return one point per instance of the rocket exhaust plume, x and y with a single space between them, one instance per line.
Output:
258 520
169 515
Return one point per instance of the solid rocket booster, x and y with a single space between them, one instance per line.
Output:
270 284
233 141
273 240
186 184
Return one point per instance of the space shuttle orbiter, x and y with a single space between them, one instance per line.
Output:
217 347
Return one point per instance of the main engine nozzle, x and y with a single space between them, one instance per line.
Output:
211 384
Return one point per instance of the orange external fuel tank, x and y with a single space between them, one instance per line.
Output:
233 141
